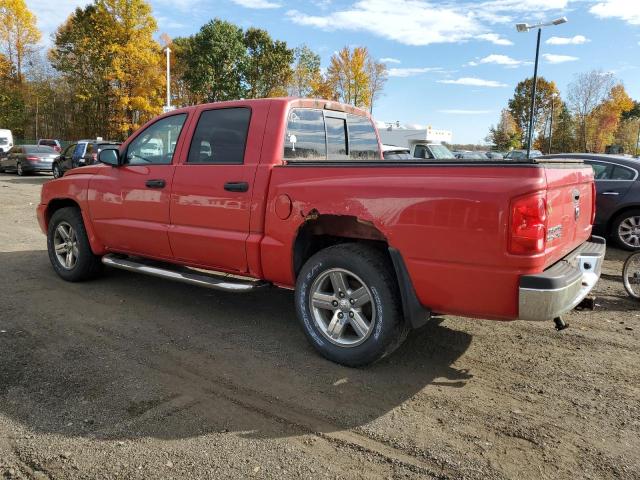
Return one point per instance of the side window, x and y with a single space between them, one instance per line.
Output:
79 151
420 152
336 138
305 135
601 171
155 145
90 149
363 142
622 173
220 136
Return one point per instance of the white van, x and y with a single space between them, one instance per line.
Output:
6 141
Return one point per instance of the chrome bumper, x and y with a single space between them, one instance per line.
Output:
564 285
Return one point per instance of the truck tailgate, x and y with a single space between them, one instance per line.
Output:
569 208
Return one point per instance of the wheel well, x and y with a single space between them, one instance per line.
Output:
322 231
57 204
617 214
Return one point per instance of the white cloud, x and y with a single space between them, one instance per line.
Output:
455 111
524 5
410 72
258 4
627 10
497 59
474 82
390 60
410 22
577 40
494 38
551 58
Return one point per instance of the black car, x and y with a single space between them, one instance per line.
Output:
79 154
618 196
25 159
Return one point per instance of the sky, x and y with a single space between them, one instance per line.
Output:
452 64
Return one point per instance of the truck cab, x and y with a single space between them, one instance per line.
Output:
6 141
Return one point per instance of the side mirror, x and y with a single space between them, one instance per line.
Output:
109 156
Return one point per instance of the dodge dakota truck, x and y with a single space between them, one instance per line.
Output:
294 193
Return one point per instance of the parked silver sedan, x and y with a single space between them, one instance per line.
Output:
26 159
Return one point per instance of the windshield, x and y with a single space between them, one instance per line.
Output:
4 141
440 152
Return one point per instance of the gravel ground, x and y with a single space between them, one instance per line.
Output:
136 377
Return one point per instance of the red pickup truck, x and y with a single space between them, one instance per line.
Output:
295 193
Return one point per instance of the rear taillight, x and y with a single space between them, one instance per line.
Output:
593 203
33 159
528 227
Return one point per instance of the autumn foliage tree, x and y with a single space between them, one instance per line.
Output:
18 34
505 135
108 56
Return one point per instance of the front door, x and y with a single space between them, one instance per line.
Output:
210 206
130 203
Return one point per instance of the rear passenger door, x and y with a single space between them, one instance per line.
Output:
613 181
212 189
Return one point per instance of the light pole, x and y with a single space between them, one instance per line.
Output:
525 27
553 101
168 106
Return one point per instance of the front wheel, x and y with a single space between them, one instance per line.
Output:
57 172
348 303
631 275
68 246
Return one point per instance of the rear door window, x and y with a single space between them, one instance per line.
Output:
601 171
220 136
363 142
305 138
622 173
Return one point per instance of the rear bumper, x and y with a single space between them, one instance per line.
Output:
557 290
37 166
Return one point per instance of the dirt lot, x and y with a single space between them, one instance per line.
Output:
135 377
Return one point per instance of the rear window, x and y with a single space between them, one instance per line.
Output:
51 143
38 149
336 138
305 138
220 136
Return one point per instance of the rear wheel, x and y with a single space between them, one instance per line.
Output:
625 230
348 303
631 275
68 246
57 172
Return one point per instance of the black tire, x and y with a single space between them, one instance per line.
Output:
19 170
56 170
376 272
87 265
619 240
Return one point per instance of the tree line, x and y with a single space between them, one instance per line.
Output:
597 116
104 73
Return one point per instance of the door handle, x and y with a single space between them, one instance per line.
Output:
611 193
157 183
236 186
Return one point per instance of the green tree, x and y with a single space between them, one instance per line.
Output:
564 131
215 60
505 135
18 33
520 105
306 74
268 65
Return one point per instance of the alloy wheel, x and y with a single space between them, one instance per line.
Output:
65 244
629 231
342 307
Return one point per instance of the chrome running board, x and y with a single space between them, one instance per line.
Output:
217 281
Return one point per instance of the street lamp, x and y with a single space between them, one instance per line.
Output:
525 27
554 95
167 107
